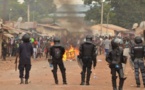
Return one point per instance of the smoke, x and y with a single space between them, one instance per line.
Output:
72 21
60 2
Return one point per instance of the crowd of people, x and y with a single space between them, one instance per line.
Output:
117 50
10 47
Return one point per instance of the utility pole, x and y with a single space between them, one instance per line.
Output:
4 8
28 12
102 11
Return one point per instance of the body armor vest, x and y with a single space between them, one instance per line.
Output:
88 49
116 56
57 51
138 51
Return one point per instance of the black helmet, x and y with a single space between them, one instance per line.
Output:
89 38
56 40
116 42
138 40
26 38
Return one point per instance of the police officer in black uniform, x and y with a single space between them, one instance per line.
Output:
137 54
25 52
57 51
115 59
88 56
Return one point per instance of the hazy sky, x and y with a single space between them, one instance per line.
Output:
21 1
58 2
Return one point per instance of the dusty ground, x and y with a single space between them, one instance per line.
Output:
41 77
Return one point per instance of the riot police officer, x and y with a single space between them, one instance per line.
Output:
57 51
25 52
115 59
88 56
137 54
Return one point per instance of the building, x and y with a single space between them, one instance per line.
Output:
51 30
107 29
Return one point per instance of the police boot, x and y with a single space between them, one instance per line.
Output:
88 77
64 77
82 78
55 76
121 82
114 82
22 81
26 81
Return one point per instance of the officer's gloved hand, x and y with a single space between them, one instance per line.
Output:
124 59
79 56
94 65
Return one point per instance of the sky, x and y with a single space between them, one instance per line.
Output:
21 1
58 3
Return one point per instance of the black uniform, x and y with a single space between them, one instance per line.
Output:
25 52
4 49
87 55
57 51
115 59
137 55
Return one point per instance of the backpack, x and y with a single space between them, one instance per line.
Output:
116 56
57 53
4 45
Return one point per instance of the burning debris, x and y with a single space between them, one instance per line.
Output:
71 54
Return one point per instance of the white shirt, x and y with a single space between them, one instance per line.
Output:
107 43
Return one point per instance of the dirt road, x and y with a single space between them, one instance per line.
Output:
41 77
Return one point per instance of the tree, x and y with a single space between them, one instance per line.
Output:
40 8
16 10
128 12
125 12
94 14
3 4
12 9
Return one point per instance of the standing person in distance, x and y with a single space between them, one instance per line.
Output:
107 44
57 51
88 56
25 51
115 59
137 55
4 49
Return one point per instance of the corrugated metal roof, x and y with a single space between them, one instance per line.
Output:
105 31
114 27
51 26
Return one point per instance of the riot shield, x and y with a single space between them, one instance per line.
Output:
80 63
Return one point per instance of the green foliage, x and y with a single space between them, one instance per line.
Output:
128 12
11 9
16 10
94 14
40 8
125 12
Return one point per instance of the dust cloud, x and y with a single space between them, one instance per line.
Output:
71 21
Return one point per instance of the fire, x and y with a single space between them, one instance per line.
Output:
51 43
70 54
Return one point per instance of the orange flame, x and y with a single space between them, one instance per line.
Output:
70 54
51 43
